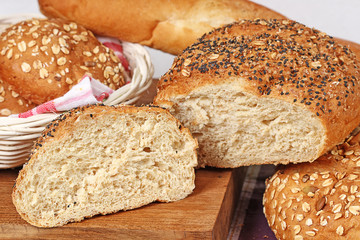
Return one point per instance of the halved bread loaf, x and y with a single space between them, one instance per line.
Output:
99 160
264 92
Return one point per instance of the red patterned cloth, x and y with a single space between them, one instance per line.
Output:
87 91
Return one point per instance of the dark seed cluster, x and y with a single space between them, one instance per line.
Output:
282 58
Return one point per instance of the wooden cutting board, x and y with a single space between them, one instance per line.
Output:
205 214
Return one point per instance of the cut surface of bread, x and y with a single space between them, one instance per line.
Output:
264 92
99 160
229 122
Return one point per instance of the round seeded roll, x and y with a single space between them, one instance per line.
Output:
11 102
42 59
319 200
257 92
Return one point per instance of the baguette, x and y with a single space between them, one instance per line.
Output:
170 26
99 160
264 92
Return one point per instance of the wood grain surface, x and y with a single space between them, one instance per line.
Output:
205 214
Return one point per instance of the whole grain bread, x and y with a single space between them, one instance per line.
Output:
170 26
317 200
11 101
42 59
264 92
100 159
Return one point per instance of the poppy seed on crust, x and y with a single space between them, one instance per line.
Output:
264 92
274 53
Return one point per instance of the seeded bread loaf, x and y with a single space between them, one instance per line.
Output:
318 200
355 47
100 160
170 26
257 92
11 101
42 59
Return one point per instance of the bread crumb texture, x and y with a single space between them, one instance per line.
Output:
264 91
99 160
320 200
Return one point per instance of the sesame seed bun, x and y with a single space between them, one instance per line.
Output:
42 58
319 200
264 91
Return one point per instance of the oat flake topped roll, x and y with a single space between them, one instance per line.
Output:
257 92
43 58
318 200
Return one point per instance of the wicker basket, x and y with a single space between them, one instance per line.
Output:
18 134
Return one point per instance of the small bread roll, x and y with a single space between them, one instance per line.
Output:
11 102
170 26
99 160
264 92
319 200
42 59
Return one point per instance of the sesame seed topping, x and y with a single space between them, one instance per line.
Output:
310 233
55 49
5 112
61 61
14 94
69 81
96 50
25 67
355 210
340 230
43 73
299 217
9 54
298 237
274 63
185 72
297 229
87 53
22 46
102 57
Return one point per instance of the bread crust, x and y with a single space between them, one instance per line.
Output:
11 102
42 59
50 132
319 199
355 47
279 59
63 126
170 26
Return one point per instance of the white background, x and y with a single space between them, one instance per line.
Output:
338 18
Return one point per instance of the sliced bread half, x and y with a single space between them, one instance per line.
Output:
99 160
